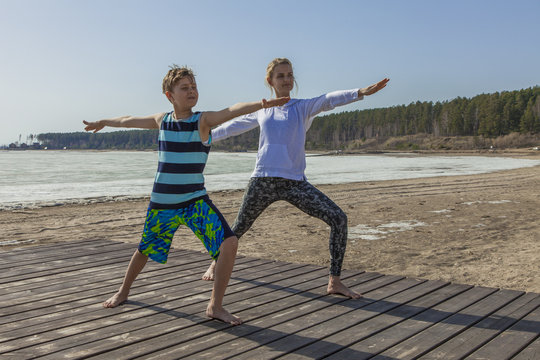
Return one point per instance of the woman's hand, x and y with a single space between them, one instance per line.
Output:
372 89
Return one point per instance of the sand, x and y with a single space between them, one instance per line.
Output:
481 229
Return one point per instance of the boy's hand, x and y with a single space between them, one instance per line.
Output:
372 89
94 125
275 102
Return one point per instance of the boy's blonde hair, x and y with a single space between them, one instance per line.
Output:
174 75
270 71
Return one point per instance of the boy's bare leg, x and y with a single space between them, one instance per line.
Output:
137 263
223 272
209 274
335 286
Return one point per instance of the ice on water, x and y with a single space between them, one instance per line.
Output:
37 178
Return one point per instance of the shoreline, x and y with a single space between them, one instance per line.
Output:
35 204
475 229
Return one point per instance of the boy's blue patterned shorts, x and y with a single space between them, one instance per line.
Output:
202 217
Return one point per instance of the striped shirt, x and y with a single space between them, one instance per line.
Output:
179 179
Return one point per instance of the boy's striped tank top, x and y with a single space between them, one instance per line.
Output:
182 158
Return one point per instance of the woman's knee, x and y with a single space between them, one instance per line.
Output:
239 229
339 218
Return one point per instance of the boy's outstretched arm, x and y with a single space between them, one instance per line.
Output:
141 122
372 89
213 118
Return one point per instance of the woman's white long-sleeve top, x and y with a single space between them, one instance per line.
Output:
283 132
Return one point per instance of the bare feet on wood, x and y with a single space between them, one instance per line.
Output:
223 315
335 286
209 274
115 300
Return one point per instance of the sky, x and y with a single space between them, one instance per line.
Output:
64 61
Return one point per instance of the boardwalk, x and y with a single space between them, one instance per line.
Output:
50 309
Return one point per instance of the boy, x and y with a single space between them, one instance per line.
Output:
179 196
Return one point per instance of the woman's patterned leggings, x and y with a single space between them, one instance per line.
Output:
263 191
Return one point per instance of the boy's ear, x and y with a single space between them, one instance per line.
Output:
269 81
168 95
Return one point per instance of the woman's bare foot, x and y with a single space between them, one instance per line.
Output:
335 286
209 274
223 315
115 300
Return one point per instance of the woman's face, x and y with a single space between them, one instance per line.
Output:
282 80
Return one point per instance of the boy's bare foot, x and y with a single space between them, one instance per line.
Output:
335 286
115 300
223 315
209 274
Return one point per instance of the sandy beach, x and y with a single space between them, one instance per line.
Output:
479 229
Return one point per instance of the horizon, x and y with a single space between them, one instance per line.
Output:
70 61
109 129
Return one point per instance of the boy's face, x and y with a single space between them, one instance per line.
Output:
184 93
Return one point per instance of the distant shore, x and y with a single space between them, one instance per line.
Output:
421 142
532 152
475 229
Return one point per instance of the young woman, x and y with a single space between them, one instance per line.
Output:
280 165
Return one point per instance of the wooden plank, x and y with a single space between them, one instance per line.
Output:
532 351
60 296
275 312
103 313
512 341
173 313
53 310
143 289
157 335
89 309
473 338
39 255
313 338
114 264
118 258
385 339
238 347
60 268
441 332
89 274
66 263
44 286
36 249
58 262
58 250
105 271
265 309
137 312
341 345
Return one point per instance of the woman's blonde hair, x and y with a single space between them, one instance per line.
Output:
174 75
270 71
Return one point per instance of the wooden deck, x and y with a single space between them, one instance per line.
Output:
50 307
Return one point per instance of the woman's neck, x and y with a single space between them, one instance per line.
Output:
284 94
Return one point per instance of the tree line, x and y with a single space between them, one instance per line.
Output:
116 140
485 115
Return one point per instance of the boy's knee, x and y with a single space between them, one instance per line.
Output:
230 243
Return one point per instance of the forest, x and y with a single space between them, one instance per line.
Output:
485 116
